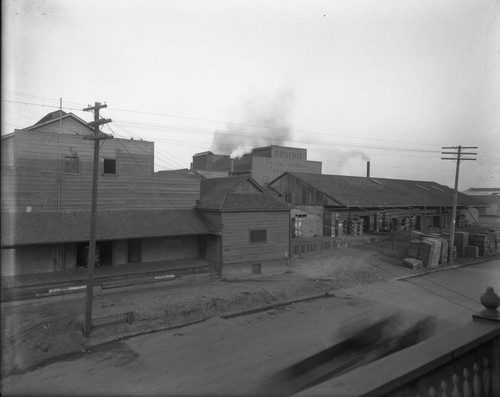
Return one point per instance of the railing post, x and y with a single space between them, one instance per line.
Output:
490 301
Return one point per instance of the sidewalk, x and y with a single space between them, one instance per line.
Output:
39 333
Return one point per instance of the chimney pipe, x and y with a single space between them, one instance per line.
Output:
231 166
367 169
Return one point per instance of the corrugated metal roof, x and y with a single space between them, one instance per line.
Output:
61 227
353 191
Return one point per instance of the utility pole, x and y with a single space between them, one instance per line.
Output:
457 153
96 137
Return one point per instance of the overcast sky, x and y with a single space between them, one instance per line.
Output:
389 80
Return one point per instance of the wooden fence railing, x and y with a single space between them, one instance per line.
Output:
464 362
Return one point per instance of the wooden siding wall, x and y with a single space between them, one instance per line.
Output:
160 249
7 261
34 179
236 230
29 259
68 125
300 193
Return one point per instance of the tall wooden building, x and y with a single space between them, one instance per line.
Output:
143 216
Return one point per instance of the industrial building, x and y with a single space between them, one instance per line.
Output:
337 205
143 217
222 215
262 164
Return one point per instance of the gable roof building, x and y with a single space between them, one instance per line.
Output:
237 193
365 192
46 198
254 226
370 204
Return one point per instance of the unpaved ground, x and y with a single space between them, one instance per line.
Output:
35 334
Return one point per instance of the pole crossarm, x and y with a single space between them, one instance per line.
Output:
98 137
97 106
456 147
92 124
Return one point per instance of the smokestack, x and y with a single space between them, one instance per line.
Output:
231 166
367 169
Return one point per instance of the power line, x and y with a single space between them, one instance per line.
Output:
235 132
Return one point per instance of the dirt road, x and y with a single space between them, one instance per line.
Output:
234 356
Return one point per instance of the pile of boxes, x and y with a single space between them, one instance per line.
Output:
428 250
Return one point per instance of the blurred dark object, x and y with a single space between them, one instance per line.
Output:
368 344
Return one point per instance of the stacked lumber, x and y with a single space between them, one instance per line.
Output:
461 240
445 247
482 242
412 263
494 236
417 235
414 248
430 252
353 227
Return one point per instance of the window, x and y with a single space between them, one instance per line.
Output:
256 269
71 165
109 166
258 236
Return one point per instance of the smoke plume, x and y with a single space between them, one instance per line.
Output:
264 122
342 157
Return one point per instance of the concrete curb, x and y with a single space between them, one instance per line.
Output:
279 304
113 338
477 262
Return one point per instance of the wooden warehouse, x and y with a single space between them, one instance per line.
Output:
231 225
336 205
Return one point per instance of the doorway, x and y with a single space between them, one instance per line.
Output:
134 250
105 249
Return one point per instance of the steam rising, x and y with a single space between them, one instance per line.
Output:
342 157
264 122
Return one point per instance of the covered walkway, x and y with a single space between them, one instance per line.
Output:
27 285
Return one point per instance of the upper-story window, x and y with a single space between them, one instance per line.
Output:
109 166
71 165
